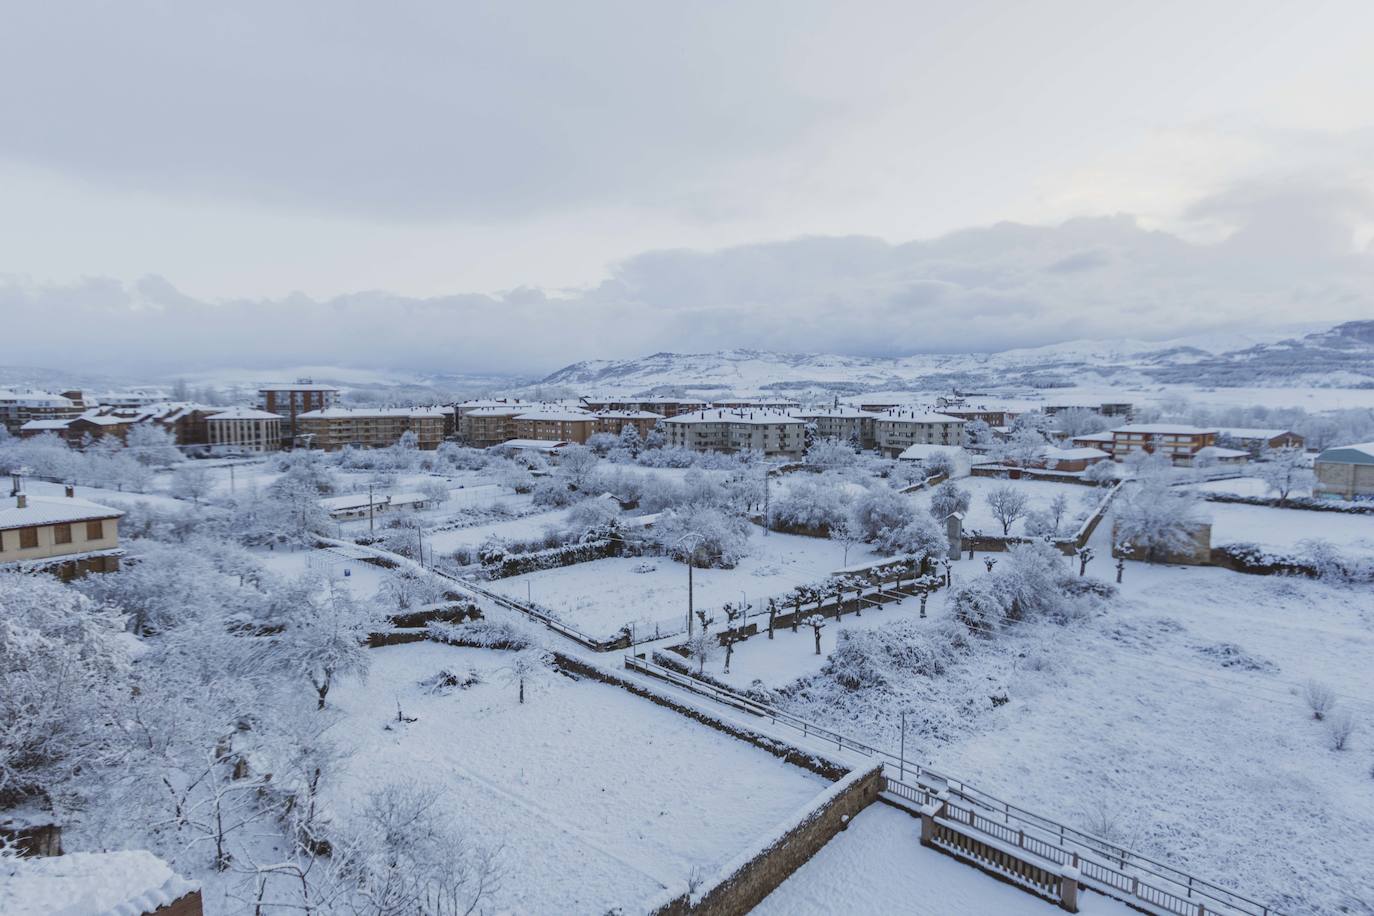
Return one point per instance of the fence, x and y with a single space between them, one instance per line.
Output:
1102 863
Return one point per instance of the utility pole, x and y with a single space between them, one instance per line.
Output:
691 561
901 768
369 510
767 514
231 480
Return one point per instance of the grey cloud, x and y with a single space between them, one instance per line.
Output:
980 289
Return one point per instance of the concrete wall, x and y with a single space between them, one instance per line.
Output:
1344 481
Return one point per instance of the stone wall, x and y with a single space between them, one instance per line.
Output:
742 884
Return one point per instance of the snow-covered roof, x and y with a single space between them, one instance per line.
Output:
731 415
1093 437
629 415
1214 451
243 413
1249 433
297 386
844 411
561 415
537 445
498 410
1359 453
1074 454
127 883
332 413
51 511
922 451
913 416
38 425
1163 429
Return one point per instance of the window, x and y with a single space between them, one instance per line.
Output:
62 534
28 538
95 530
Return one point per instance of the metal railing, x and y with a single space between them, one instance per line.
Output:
1101 862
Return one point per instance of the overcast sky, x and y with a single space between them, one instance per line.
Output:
471 186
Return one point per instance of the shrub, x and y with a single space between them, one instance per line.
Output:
1339 729
1319 698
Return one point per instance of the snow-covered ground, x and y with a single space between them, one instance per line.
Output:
1244 486
517 529
601 596
877 865
1173 722
1039 494
362 579
1282 530
595 797
117 499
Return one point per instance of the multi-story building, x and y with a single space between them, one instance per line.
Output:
68 536
556 424
1345 472
615 421
20 407
1256 441
243 429
369 427
290 401
1178 442
78 431
483 427
463 408
772 433
776 404
896 430
992 416
847 424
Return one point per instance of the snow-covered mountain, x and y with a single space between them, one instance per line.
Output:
1341 356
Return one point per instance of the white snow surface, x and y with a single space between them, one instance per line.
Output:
596 797
128 883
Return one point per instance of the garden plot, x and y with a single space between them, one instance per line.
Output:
595 799
1284 530
362 579
1173 723
878 865
1245 486
1039 495
526 528
601 596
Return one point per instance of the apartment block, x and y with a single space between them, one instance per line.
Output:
846 424
243 429
772 433
895 431
556 425
289 401
369 427
1177 442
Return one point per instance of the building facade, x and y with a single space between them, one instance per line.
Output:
483 427
846 424
556 425
1256 441
68 536
1345 472
369 427
1177 442
290 401
243 429
774 434
896 430
613 422
20 407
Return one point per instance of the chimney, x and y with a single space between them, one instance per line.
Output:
23 501
71 491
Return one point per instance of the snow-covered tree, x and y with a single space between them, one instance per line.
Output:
326 636
1080 421
815 504
1284 470
1007 504
552 493
405 588
630 440
150 444
602 443
1024 448
1101 473
881 510
63 667
831 454
527 668
920 537
947 499
1156 518
709 536
191 481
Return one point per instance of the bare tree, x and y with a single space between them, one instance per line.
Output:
1284 470
528 667
817 623
1008 504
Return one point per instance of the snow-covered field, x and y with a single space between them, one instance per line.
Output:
1174 723
1244 486
601 596
878 865
1283 530
595 798
1039 494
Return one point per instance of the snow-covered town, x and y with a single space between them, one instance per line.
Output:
594 459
